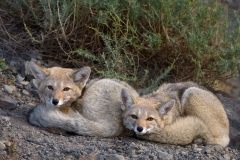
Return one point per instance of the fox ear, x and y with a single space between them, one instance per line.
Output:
166 107
81 76
37 71
127 99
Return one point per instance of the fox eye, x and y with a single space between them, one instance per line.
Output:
150 119
134 116
66 89
50 87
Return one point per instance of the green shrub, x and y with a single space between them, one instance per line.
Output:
138 40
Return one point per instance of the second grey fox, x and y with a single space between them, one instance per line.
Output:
177 113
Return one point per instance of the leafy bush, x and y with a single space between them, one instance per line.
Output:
140 41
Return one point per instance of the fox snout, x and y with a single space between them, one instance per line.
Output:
55 101
139 129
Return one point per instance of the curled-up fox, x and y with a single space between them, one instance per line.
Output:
177 113
70 103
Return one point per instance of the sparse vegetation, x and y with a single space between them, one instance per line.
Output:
140 41
3 66
11 146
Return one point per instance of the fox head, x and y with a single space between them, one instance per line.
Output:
58 86
145 116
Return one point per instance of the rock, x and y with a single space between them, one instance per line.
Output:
19 78
4 118
207 150
36 55
53 64
25 92
9 88
24 83
113 157
218 148
184 153
7 143
7 103
34 60
164 156
28 87
2 146
226 157
68 158
232 107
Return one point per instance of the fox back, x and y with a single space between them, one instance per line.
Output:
59 87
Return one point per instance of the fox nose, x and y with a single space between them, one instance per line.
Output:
139 129
55 101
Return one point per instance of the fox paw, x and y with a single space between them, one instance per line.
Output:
198 141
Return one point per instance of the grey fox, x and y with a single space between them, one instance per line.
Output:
95 112
177 113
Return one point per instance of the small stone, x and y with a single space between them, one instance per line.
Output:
226 157
7 143
207 150
4 118
2 146
19 78
218 148
25 92
184 153
24 83
163 155
114 157
7 102
53 64
143 148
9 88
36 55
34 60
55 147
28 87
153 157
68 158
143 157
17 94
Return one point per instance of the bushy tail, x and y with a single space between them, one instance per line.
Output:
41 116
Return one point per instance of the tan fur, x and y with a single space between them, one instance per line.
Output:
177 113
96 113
60 87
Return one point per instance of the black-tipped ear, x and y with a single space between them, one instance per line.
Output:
166 107
127 99
81 76
37 71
